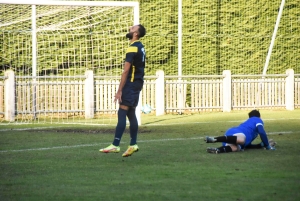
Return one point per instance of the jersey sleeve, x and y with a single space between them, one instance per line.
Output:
262 133
130 53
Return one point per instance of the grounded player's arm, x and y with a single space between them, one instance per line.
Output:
118 96
255 146
263 136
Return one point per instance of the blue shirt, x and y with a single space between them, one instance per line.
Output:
251 128
136 55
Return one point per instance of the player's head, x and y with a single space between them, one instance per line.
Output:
141 31
254 113
136 32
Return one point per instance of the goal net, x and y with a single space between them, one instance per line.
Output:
50 45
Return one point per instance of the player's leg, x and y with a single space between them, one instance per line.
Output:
133 102
232 136
226 148
122 113
232 141
133 127
121 125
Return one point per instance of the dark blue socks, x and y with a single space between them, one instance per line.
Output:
120 126
227 139
133 125
225 149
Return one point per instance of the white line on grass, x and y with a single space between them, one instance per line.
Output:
91 145
140 141
149 124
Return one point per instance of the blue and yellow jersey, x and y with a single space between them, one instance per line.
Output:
136 55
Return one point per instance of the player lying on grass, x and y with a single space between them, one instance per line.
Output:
240 137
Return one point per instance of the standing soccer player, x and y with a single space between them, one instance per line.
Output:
131 84
239 138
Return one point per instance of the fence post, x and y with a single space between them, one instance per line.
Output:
89 95
289 89
227 91
9 96
138 110
160 93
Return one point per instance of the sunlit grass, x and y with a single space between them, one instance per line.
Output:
62 162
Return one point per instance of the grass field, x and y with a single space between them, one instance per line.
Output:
62 162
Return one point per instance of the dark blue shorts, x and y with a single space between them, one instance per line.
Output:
131 93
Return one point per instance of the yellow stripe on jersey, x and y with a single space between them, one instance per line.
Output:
132 49
132 74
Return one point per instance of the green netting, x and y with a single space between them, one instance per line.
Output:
217 35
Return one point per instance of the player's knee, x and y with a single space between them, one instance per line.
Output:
124 107
234 147
240 139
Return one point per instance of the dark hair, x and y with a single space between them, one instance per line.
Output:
142 31
254 113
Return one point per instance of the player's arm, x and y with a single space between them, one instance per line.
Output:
118 96
263 136
130 53
255 146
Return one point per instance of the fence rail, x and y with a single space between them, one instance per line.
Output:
269 92
187 94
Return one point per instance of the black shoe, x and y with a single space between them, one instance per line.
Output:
212 150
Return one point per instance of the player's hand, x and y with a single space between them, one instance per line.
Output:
118 97
270 148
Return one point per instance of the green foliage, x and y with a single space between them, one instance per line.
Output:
217 35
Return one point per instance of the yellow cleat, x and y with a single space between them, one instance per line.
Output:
130 150
110 149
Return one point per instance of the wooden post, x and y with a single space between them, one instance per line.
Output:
89 95
9 96
289 89
227 91
138 110
160 93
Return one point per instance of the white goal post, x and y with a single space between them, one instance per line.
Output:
135 5
68 26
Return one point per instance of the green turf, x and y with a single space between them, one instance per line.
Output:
62 162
